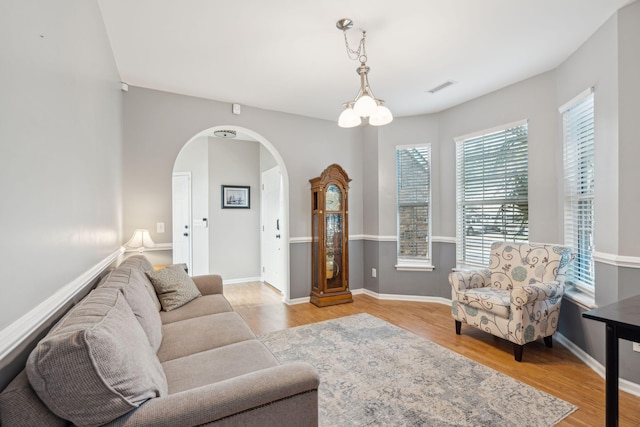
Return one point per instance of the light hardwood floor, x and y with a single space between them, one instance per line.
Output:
556 370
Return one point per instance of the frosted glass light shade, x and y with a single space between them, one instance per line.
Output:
348 118
140 240
381 117
365 106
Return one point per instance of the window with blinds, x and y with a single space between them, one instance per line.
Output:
492 191
413 166
578 125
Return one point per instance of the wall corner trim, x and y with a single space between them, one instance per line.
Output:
18 331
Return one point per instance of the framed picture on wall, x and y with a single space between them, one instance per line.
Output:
236 197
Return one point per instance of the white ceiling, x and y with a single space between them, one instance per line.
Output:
287 55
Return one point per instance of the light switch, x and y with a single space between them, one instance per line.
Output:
373 272
160 227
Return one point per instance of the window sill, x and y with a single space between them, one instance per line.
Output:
582 299
414 267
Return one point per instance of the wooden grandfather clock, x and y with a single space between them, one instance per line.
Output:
330 238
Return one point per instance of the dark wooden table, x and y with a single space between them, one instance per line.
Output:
622 320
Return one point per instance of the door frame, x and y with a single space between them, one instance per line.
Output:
285 192
189 219
263 213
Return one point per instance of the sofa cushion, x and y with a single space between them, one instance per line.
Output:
173 286
205 305
96 364
142 264
202 333
215 365
131 282
21 406
493 300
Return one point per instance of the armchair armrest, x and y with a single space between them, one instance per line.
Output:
215 401
469 279
209 284
528 294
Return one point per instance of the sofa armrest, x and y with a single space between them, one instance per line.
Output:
528 294
469 279
209 284
225 398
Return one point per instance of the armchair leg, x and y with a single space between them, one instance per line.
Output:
517 352
548 341
458 325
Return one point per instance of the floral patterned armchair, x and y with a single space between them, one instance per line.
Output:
518 297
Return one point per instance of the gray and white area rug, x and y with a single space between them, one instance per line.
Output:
373 373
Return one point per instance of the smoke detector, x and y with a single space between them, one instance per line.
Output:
225 133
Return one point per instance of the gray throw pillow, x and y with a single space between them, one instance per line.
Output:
173 286
96 364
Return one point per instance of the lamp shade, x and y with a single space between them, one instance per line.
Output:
365 106
381 117
348 118
140 240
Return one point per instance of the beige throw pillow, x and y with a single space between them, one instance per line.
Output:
173 286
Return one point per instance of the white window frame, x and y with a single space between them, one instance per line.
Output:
578 152
414 263
462 222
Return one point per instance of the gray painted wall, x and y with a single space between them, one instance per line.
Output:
234 234
629 129
609 60
158 124
534 100
61 148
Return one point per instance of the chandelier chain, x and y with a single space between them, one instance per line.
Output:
356 55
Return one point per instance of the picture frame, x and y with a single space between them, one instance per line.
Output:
236 197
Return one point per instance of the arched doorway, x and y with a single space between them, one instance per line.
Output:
205 210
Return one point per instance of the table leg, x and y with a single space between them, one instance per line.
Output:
612 376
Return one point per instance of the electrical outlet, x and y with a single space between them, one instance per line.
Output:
160 227
636 347
373 272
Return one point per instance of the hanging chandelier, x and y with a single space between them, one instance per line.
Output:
365 104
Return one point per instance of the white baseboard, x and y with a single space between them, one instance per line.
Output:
397 297
20 330
624 385
297 301
242 280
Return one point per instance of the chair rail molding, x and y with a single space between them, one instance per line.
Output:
18 331
617 260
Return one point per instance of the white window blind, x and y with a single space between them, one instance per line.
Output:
492 192
413 166
578 125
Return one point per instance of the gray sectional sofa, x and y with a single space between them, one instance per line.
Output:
117 359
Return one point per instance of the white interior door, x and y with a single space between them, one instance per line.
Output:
182 235
272 227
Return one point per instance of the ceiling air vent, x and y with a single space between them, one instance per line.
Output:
440 87
225 133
